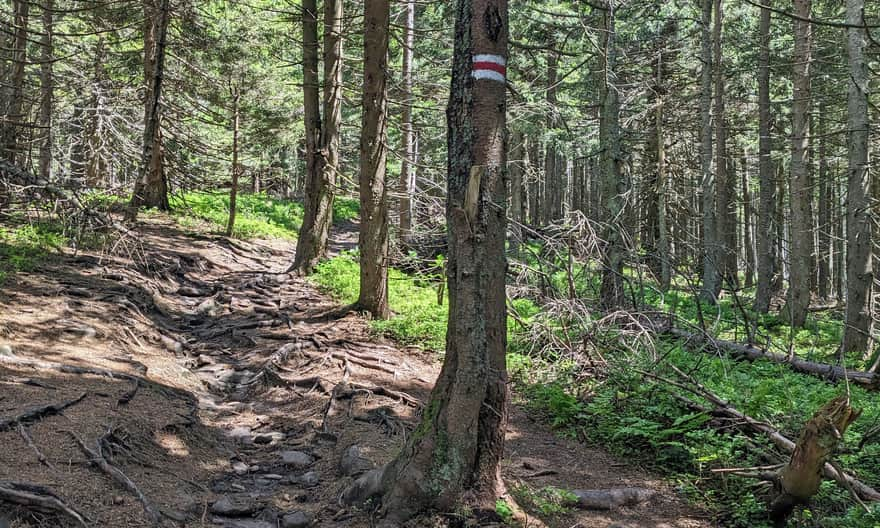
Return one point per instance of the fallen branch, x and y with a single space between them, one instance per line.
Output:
868 380
96 458
35 413
611 499
39 498
723 409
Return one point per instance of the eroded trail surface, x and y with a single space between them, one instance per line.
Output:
191 382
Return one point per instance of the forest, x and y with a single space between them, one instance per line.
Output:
562 264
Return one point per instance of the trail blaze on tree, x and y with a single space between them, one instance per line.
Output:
454 453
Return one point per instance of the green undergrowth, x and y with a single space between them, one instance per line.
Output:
257 215
419 319
732 318
23 247
644 421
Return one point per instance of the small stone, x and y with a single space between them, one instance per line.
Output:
297 459
273 476
233 507
208 307
243 523
5 350
296 519
306 480
237 487
118 499
268 438
352 463
241 434
240 468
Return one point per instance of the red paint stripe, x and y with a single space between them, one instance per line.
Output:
490 66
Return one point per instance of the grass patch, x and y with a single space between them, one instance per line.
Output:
418 317
23 247
257 215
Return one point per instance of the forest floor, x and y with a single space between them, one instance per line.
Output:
228 393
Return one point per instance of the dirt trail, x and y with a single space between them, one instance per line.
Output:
228 394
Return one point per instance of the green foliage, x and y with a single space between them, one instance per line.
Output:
22 248
258 215
548 501
504 511
419 318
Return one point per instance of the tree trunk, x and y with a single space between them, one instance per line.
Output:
711 263
373 240
824 231
662 268
551 169
517 169
859 266
725 212
321 142
748 248
614 186
47 86
407 167
801 192
800 479
10 129
767 186
453 456
233 190
151 188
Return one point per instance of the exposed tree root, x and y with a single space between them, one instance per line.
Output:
38 498
112 374
868 380
96 458
26 436
35 413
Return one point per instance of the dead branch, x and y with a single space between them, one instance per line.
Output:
868 380
723 409
611 499
39 498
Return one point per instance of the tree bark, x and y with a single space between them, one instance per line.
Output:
10 129
767 186
725 208
151 187
233 190
453 455
407 182
800 479
748 248
517 170
859 266
311 244
825 197
47 87
373 239
614 186
711 263
801 192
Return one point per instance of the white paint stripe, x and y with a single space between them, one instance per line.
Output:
497 59
491 75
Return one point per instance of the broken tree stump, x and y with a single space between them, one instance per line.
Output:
799 480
